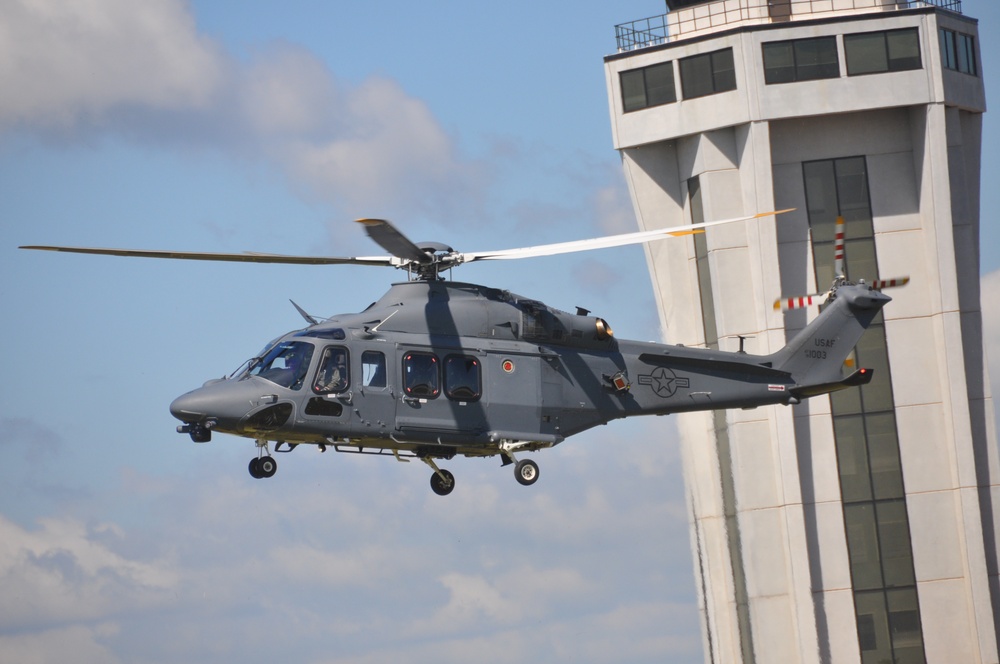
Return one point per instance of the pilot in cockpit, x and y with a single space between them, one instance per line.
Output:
332 376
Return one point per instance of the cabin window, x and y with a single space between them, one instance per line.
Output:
285 364
373 369
334 371
462 378
421 375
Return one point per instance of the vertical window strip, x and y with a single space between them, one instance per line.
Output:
865 437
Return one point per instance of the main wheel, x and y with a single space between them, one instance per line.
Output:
526 472
255 469
442 486
267 466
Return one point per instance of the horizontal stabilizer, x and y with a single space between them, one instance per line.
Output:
859 377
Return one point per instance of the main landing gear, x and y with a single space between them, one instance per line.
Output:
526 472
443 482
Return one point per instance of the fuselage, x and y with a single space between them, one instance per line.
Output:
462 369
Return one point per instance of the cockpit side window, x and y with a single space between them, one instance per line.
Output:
462 381
333 374
421 375
285 364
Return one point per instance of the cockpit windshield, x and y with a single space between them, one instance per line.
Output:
285 364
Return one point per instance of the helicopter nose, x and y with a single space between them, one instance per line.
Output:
191 407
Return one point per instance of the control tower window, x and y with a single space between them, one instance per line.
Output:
648 86
708 73
878 52
958 51
801 60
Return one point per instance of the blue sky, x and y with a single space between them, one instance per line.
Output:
224 126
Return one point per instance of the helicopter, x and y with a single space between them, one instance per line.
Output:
438 368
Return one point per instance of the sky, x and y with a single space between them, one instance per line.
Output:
225 126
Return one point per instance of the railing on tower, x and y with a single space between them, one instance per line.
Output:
715 15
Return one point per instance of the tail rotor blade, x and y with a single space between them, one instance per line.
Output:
879 284
838 250
801 302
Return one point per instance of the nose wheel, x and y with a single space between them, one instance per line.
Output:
263 465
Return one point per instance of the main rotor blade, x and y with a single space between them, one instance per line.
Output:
245 257
605 242
389 238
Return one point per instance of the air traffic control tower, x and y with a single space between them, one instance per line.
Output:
863 526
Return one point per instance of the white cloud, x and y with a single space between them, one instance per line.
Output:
63 63
77 644
518 596
62 571
394 154
143 71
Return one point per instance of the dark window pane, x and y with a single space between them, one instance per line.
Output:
660 84
904 626
852 458
696 76
779 63
966 54
816 58
894 537
947 39
865 53
723 70
633 90
883 455
862 544
873 627
852 195
821 199
904 49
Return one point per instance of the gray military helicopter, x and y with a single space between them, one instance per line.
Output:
439 368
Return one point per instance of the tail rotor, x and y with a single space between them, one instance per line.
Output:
800 302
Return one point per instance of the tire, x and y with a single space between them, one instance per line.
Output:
267 466
442 487
526 472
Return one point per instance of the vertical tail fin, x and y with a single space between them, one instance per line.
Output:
816 355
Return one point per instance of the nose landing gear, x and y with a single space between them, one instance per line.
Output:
263 465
